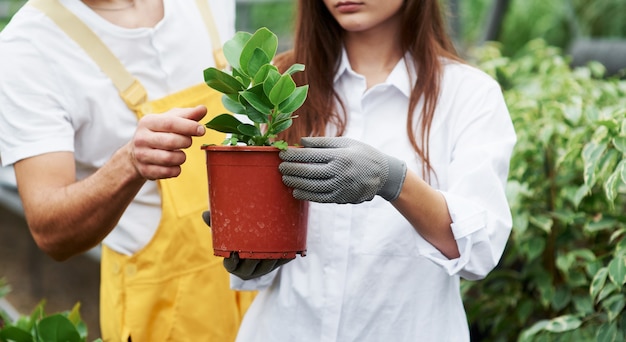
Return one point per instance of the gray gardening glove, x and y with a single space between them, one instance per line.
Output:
247 269
341 170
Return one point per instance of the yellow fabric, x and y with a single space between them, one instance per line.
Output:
174 289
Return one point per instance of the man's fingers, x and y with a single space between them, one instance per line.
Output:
162 140
195 114
182 121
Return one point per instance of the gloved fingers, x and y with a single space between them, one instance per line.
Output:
327 142
280 262
231 263
206 216
306 170
321 197
246 269
311 185
265 267
258 267
306 155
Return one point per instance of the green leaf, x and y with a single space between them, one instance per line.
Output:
620 143
602 224
606 291
242 78
611 185
581 193
15 334
272 77
562 298
281 126
563 323
592 152
529 333
542 221
233 47
295 100
254 115
534 247
28 323
232 105
614 305
281 145
583 304
57 328
262 39
295 68
617 270
221 81
263 72
224 123
607 332
256 98
282 90
249 130
598 281
4 287
257 61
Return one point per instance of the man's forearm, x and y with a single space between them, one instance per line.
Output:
68 217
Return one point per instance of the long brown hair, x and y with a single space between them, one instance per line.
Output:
318 44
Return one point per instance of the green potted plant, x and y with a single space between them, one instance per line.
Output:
252 212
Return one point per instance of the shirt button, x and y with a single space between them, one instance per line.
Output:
131 270
115 267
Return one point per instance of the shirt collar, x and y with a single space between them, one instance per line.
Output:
400 77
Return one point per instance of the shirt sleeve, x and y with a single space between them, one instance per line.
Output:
477 175
32 118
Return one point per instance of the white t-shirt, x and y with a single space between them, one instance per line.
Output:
53 97
368 276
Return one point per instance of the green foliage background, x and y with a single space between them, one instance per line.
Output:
563 272
558 22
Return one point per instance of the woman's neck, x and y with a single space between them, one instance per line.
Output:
374 53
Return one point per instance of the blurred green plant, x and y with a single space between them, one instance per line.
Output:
277 15
7 9
558 22
66 326
563 272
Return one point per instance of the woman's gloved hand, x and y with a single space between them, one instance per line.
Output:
341 170
247 269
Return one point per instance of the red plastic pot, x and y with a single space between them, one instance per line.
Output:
252 211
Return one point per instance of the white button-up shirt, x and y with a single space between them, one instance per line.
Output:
368 275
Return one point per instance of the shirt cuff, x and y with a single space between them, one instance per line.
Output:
468 227
255 284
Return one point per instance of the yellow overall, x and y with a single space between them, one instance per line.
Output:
174 289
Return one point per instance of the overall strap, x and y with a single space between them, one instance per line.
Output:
130 89
209 22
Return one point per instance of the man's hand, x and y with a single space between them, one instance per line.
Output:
156 149
341 170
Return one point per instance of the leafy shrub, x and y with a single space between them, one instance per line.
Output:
558 22
563 272
66 326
